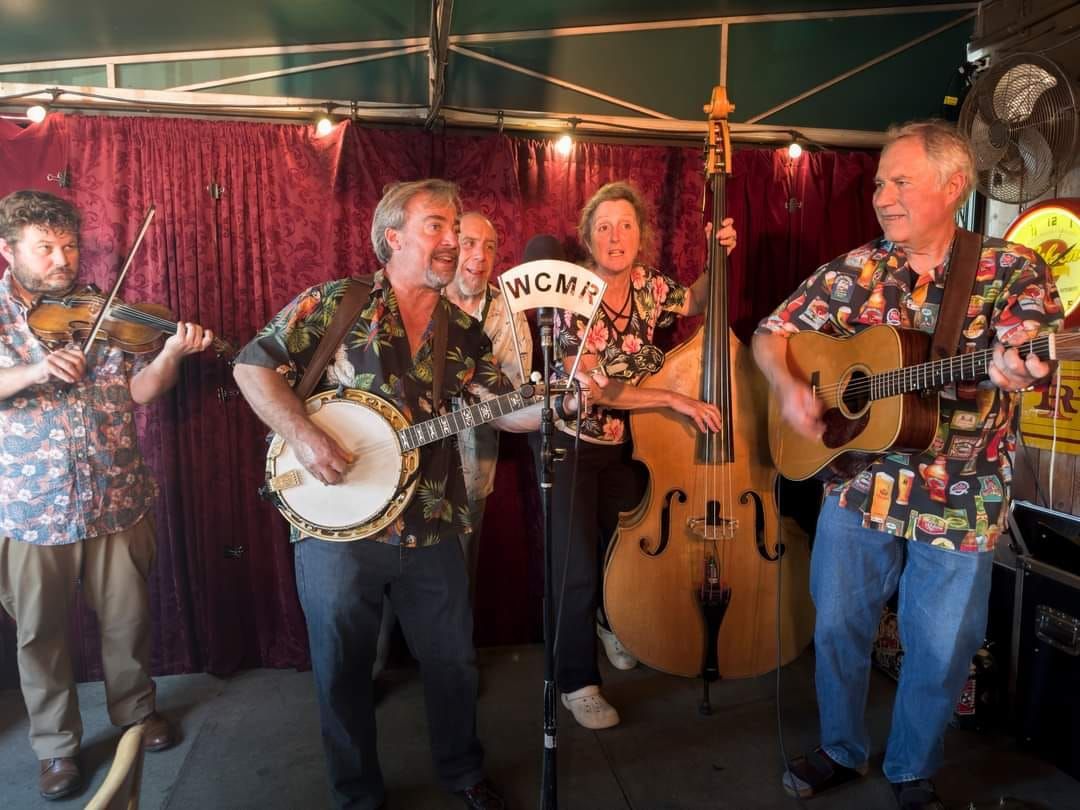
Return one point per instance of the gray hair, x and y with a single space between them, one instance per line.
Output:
390 212
946 148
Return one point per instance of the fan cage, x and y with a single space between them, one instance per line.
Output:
1021 117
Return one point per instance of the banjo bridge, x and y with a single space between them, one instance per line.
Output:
284 481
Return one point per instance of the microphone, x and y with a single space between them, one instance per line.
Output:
544 246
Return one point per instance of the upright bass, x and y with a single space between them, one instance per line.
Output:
691 582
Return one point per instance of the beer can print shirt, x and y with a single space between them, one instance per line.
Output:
953 495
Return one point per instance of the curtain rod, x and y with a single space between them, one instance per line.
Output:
217 105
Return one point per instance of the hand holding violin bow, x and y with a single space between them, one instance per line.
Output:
66 364
87 315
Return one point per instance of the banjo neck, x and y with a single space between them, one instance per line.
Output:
439 427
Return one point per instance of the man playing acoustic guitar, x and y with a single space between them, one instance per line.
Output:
926 521
391 350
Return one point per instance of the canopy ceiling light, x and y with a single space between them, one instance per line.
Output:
565 145
324 124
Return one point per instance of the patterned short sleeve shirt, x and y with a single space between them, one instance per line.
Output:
625 354
70 466
480 445
954 495
375 356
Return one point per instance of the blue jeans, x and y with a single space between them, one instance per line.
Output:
942 616
341 588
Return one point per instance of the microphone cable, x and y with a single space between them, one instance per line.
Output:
784 759
576 385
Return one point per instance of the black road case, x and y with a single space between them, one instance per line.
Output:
1046 633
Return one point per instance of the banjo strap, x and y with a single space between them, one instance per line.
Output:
353 300
438 355
352 303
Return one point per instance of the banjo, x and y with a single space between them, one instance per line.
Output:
380 483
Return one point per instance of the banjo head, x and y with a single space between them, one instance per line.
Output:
377 486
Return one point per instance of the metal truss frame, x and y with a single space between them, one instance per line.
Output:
194 100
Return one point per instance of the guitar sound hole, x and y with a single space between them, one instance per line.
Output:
856 394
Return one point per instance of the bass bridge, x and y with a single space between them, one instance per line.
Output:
713 526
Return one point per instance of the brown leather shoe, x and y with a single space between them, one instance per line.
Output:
59 777
158 732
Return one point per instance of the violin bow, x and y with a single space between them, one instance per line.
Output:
120 280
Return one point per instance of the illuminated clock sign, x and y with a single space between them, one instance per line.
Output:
1051 418
1052 229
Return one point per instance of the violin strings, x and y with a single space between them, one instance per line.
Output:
128 313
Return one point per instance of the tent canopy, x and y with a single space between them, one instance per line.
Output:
632 66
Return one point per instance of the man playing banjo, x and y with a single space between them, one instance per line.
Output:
392 351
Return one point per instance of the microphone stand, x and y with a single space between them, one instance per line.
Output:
549 799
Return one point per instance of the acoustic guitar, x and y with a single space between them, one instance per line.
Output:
877 397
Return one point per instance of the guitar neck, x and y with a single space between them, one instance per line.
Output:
959 368
439 427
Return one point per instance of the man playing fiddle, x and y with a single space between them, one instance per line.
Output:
75 495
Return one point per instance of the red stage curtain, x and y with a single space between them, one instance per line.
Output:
292 210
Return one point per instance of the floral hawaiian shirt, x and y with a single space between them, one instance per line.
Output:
70 466
625 354
955 494
480 445
375 357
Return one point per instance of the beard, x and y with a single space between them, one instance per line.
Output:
51 282
437 280
468 285
440 269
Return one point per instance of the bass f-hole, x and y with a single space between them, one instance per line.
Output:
665 525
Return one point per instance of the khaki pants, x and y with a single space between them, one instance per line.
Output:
37 586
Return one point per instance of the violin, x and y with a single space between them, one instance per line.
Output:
134 328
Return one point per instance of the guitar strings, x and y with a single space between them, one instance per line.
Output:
884 379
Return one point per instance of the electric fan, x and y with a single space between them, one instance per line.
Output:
1022 120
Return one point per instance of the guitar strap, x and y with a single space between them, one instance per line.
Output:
352 303
959 282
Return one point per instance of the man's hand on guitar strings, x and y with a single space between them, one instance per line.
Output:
1011 372
323 457
800 408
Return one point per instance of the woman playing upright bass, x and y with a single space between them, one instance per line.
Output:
614 231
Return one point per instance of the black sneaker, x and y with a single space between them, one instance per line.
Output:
918 794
